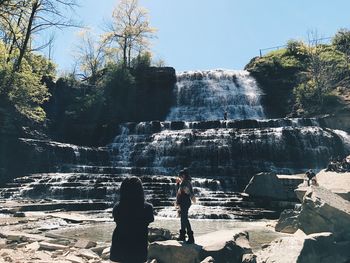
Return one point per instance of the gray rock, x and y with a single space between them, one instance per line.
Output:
74 259
338 183
86 253
158 234
173 251
208 260
301 191
315 248
225 246
249 258
19 214
324 211
50 246
33 246
288 222
321 247
270 185
3 243
106 253
84 243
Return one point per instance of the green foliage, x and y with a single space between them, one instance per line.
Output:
297 49
27 94
302 77
119 90
24 89
142 61
341 41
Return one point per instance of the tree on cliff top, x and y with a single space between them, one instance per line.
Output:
130 29
22 70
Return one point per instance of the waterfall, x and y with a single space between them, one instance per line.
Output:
221 155
207 95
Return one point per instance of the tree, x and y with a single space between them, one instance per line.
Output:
22 20
44 14
323 69
341 41
91 56
130 29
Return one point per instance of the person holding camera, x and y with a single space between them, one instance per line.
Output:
184 198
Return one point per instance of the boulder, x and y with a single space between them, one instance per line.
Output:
158 234
315 248
225 245
338 183
173 251
273 186
282 250
84 243
324 211
208 260
288 222
321 247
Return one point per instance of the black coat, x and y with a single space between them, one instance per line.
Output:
130 237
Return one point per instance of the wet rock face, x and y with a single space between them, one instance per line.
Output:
24 156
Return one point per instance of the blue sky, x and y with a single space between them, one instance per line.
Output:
207 34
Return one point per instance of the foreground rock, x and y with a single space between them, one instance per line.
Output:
174 251
226 246
315 248
321 211
338 183
273 186
324 211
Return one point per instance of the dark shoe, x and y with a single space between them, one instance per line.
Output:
182 236
190 237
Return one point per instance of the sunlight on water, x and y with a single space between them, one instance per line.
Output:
206 95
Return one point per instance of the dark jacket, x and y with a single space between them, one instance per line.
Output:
184 193
130 237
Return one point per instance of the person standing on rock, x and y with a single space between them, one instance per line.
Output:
184 197
132 216
311 178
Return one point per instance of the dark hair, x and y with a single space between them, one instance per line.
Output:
184 174
131 191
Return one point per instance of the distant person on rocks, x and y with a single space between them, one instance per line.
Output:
132 216
184 197
225 115
311 178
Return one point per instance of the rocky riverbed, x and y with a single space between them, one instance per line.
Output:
85 236
317 230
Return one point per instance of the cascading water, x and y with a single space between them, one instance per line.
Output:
222 155
206 95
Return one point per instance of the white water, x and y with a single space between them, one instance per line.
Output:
206 95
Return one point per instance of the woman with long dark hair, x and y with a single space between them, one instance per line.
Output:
132 216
